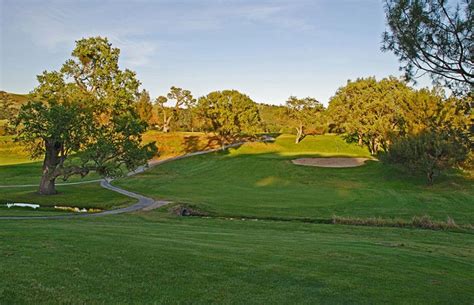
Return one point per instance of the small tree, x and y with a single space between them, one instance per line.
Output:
303 112
229 113
144 107
182 98
428 152
430 37
88 124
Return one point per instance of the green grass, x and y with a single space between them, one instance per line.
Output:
152 259
16 167
86 195
12 152
259 180
18 211
30 173
155 258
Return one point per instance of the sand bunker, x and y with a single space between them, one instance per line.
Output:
330 162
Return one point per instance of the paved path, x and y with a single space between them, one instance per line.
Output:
144 203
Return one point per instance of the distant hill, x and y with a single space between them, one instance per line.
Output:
16 99
10 103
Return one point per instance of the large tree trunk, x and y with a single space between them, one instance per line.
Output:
51 161
47 186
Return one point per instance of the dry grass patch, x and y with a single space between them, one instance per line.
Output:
330 162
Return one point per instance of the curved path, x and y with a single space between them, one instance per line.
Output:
144 203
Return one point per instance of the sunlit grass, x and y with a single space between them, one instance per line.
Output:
259 180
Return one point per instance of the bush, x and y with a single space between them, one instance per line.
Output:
429 152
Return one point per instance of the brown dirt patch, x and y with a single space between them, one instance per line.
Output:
330 162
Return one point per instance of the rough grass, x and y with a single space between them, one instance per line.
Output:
151 259
258 180
423 222
180 143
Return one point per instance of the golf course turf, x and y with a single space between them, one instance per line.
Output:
151 258
259 180
243 253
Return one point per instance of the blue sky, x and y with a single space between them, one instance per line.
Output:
266 49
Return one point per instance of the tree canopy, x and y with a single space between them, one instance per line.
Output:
303 112
229 113
434 37
370 110
429 152
86 110
183 99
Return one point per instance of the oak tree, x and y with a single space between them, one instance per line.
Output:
303 112
83 118
182 99
229 113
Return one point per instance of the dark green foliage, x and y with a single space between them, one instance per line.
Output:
433 36
370 111
428 152
229 113
275 118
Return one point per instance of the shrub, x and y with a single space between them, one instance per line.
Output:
428 152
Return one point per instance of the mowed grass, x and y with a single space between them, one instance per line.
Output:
155 258
16 168
162 260
259 180
90 195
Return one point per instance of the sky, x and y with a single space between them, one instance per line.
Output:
269 50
